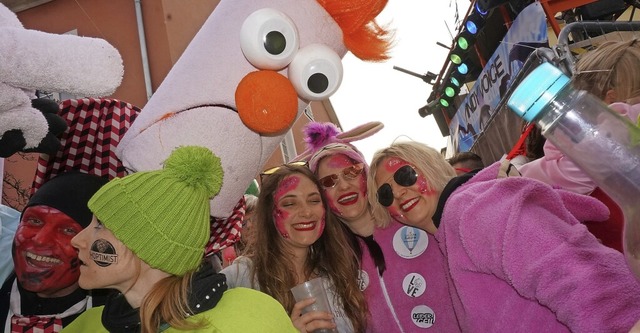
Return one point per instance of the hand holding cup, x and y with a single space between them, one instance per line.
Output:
312 312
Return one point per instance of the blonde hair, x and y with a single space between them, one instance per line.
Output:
251 203
428 162
167 302
614 65
330 256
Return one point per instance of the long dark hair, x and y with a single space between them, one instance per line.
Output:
330 256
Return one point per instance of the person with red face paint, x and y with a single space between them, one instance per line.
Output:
147 241
516 257
295 239
408 287
43 293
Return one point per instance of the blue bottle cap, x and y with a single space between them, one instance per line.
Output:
536 91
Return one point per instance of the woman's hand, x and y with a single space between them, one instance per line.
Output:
310 321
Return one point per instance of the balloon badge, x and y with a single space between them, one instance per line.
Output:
410 242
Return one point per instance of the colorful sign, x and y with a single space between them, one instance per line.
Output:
528 32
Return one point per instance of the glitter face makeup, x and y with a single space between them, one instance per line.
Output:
299 214
406 193
280 216
344 186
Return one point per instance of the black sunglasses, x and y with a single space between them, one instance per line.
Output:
350 173
405 176
271 171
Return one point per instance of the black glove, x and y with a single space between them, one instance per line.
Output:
13 141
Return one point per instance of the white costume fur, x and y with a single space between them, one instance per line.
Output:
33 60
205 77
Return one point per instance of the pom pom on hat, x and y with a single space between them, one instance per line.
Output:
197 167
317 135
163 215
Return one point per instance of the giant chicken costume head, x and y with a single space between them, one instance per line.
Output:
247 75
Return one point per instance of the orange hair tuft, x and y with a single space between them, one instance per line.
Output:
361 34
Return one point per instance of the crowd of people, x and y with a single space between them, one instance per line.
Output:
411 242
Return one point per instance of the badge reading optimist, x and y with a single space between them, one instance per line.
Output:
103 253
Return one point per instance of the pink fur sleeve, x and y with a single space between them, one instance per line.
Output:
525 234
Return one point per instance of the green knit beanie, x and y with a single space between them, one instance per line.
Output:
163 215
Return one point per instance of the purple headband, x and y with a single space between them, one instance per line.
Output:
325 139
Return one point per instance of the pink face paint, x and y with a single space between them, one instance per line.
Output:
393 164
363 184
279 217
337 161
395 213
423 186
332 202
287 185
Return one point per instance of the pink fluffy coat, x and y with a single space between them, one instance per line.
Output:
518 260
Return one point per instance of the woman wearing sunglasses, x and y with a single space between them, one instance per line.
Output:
295 240
516 257
402 292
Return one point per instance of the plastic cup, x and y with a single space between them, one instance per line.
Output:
313 288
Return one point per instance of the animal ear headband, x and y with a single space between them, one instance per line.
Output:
325 139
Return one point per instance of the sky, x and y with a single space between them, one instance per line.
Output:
377 92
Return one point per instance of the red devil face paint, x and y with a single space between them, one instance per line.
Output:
405 193
299 212
45 262
347 196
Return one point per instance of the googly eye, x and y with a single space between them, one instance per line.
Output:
316 72
269 39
